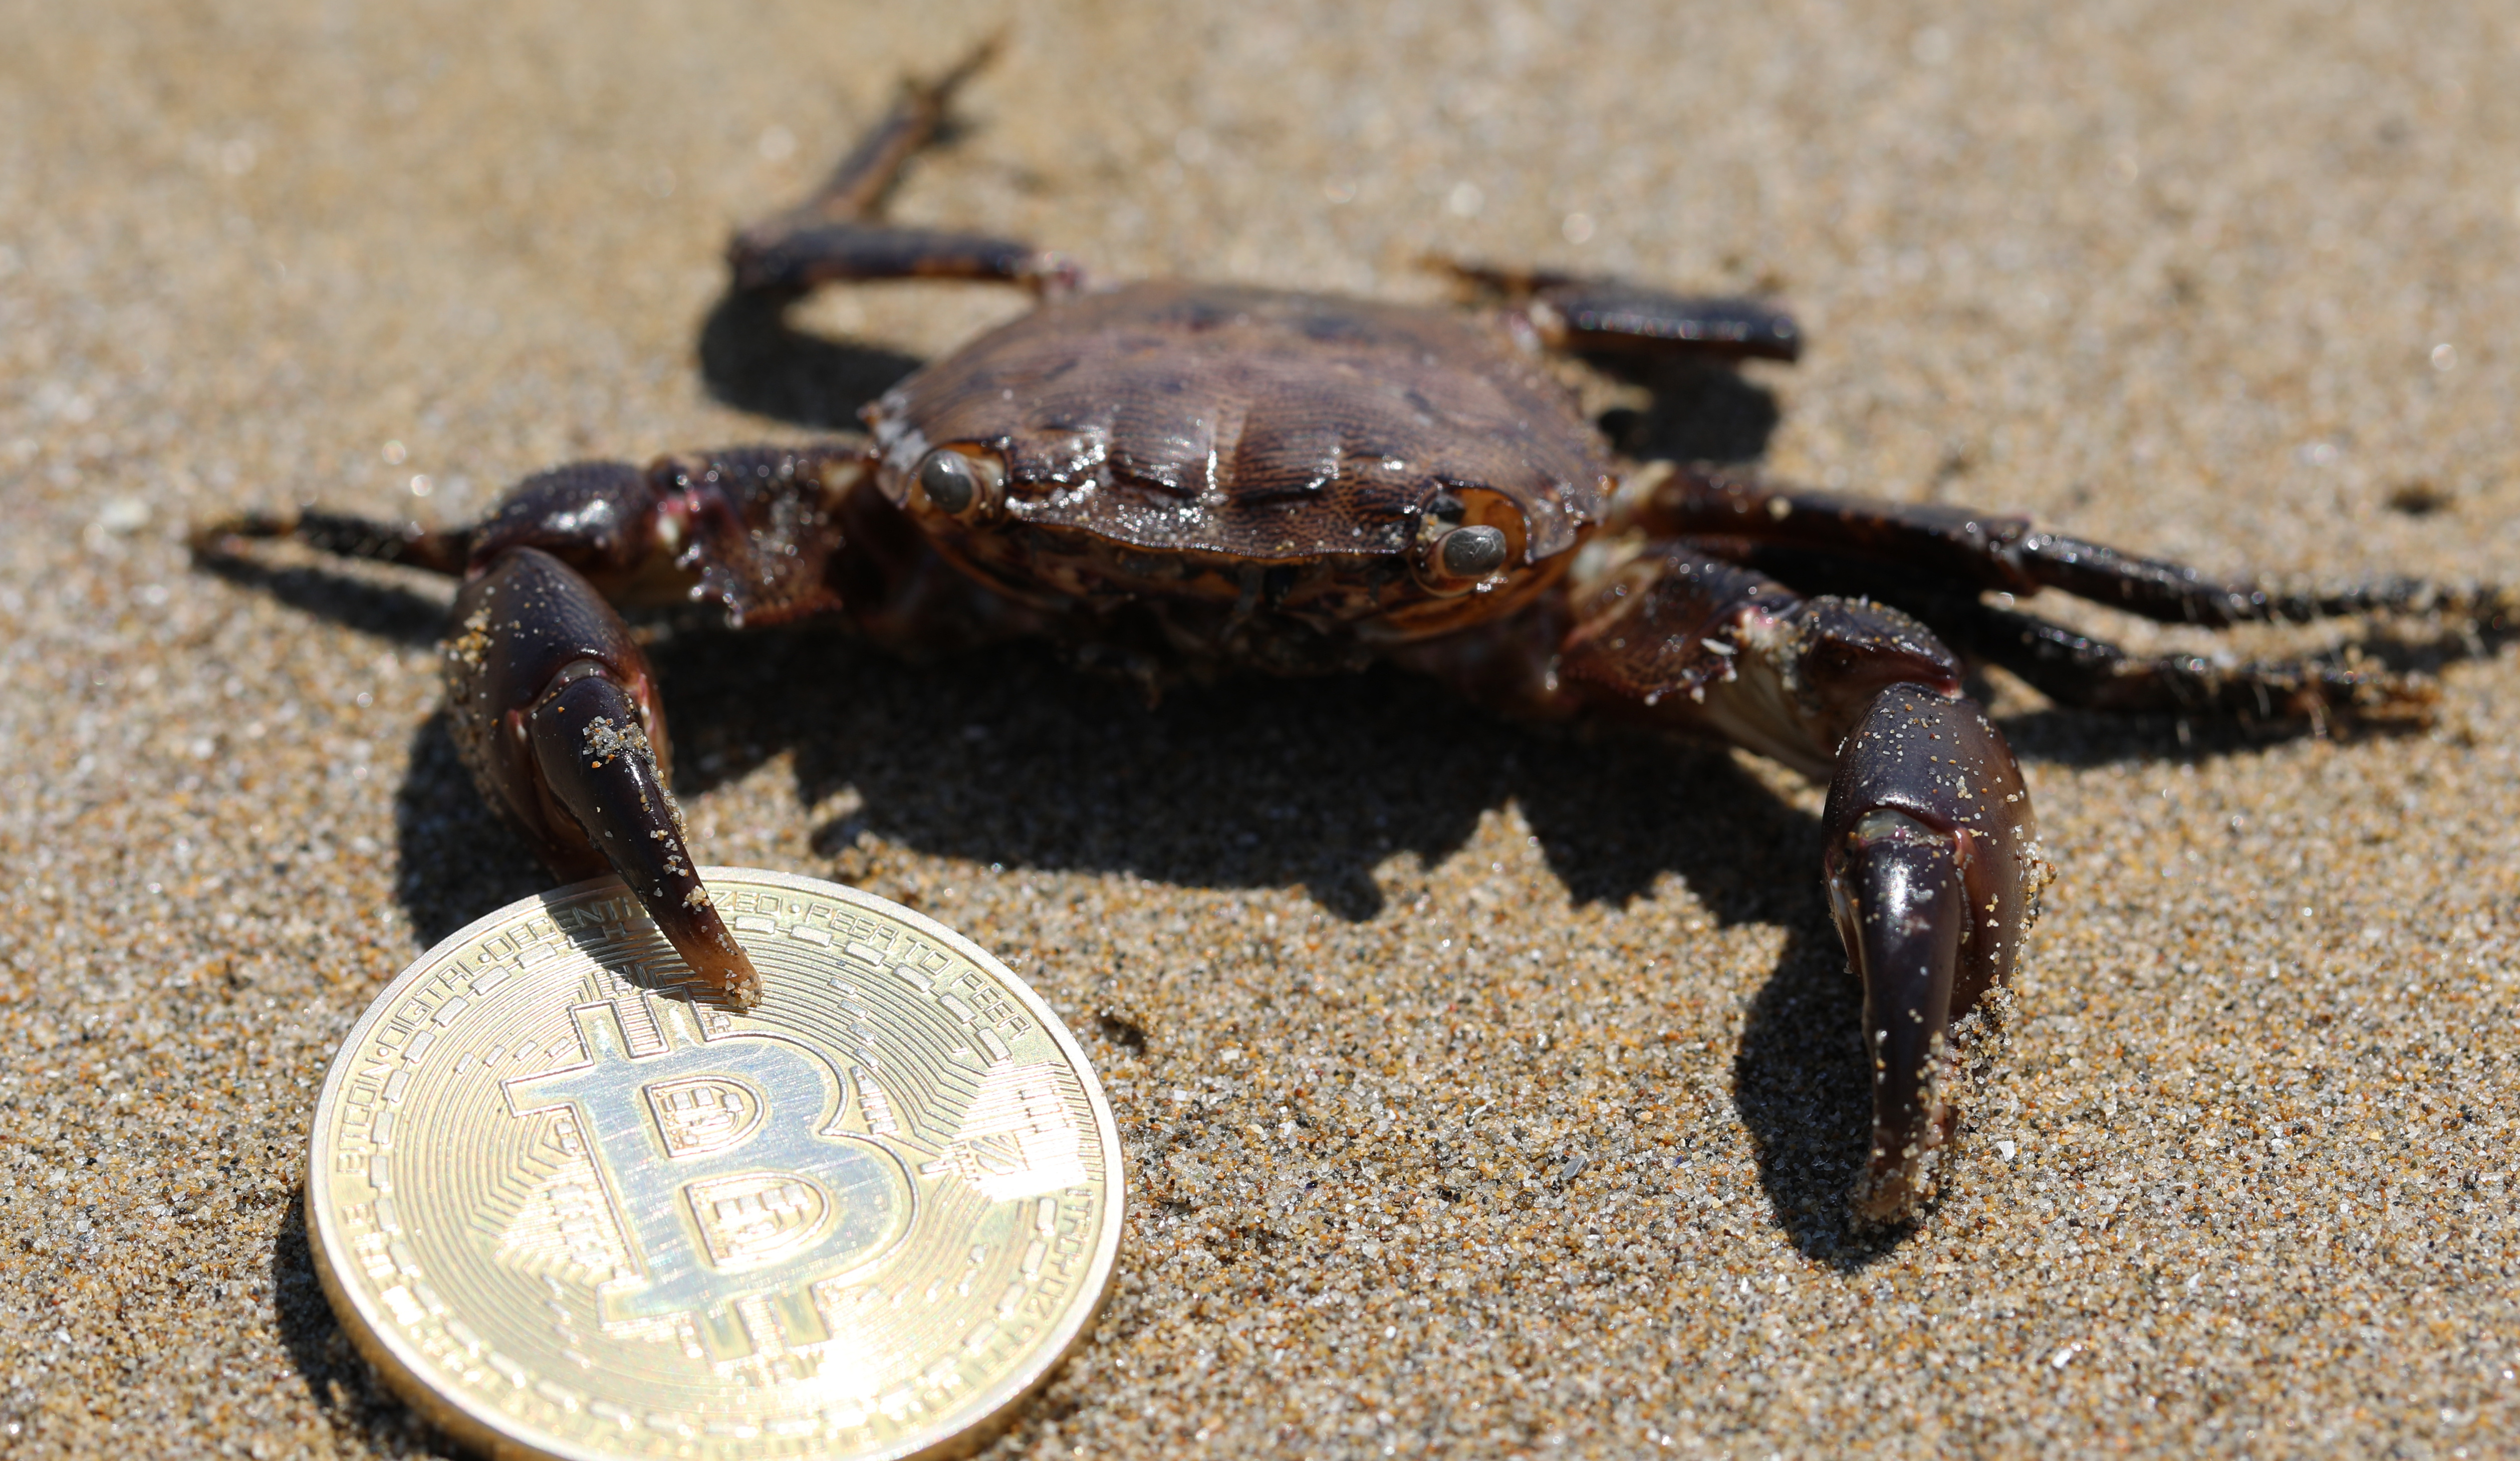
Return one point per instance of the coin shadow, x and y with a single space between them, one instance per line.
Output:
345 1389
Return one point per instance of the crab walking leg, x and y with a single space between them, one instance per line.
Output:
1579 313
776 259
1931 851
838 234
2073 668
751 529
2011 555
555 716
2077 669
434 550
861 181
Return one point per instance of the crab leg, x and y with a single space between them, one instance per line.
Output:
2088 673
859 183
551 699
1933 869
556 715
1930 850
2010 554
838 234
2076 669
1609 316
751 529
1683 640
772 259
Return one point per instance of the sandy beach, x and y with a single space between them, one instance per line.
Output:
1487 1091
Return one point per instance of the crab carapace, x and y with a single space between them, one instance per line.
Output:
1172 476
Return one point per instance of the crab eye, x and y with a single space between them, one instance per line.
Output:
1470 551
959 484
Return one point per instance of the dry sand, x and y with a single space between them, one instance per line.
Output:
1485 1091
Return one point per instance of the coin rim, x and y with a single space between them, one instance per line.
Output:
399 1362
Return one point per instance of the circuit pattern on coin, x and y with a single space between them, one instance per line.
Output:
569 1210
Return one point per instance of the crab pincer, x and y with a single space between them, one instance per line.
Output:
1931 854
555 713
1933 871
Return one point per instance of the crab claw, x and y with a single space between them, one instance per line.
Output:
1934 871
556 715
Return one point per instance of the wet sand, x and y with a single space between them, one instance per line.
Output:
1487 1091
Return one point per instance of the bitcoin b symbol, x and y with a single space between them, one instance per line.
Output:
726 1166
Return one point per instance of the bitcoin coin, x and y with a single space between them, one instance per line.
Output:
567 1207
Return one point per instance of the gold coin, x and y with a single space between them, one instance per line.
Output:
570 1209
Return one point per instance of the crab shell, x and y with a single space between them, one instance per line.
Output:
1290 454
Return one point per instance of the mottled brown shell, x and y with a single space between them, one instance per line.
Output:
1173 439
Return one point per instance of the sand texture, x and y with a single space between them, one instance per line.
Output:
1486 1092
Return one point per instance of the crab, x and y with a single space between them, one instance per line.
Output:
1172 478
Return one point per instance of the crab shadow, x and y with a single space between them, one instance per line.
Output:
2083 738
753 359
1696 410
1009 760
361 599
